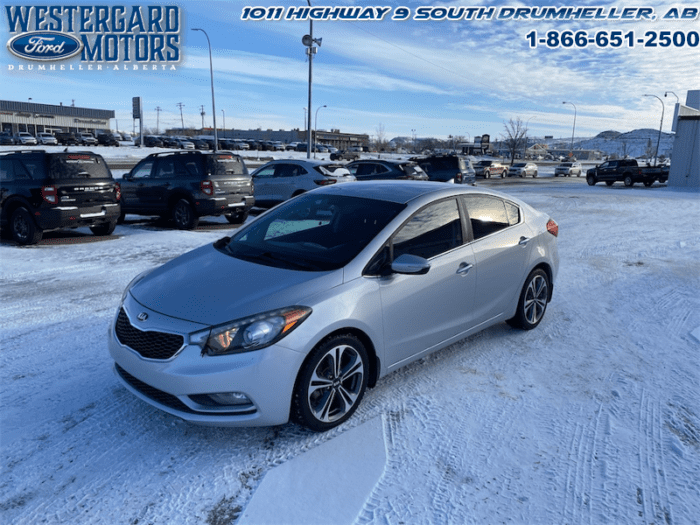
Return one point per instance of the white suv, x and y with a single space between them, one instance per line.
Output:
26 139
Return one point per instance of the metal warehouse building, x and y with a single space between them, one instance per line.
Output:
35 118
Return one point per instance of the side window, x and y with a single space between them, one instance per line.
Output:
487 214
165 168
513 213
266 173
187 167
432 231
143 170
284 171
7 170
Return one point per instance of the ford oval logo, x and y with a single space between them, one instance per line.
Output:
45 45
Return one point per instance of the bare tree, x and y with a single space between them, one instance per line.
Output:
515 137
381 142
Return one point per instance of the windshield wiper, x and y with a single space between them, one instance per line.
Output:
285 261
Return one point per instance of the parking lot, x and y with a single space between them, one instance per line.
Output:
593 416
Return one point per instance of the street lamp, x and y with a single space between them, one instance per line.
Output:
413 135
678 101
213 104
658 141
316 127
574 130
223 112
309 41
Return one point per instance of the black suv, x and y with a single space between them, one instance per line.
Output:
43 191
445 168
108 139
184 186
66 138
386 169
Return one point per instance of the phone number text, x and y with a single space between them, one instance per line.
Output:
555 39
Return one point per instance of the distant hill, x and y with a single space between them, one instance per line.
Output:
633 143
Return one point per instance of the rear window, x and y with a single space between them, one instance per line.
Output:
78 166
227 164
337 170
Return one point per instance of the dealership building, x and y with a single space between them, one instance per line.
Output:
35 118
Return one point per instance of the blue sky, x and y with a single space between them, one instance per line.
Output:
438 78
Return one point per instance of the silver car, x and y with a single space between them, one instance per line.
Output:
303 309
46 139
523 169
279 180
568 169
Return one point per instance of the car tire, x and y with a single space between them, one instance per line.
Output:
331 383
628 181
532 304
24 229
487 174
238 217
183 215
591 180
534 176
104 229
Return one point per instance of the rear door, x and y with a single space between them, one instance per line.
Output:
502 246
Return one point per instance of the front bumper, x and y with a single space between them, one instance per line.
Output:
58 217
176 385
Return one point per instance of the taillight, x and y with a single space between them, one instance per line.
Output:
458 178
325 182
118 191
49 194
207 187
553 227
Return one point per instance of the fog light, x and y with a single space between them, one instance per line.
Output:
230 398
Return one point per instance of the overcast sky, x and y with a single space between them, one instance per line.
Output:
439 78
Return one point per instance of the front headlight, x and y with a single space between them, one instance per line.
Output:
250 333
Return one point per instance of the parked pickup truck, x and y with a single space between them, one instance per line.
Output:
626 171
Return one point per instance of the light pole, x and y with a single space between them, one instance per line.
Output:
213 103
158 110
678 101
309 41
182 120
224 114
413 135
316 127
574 130
658 141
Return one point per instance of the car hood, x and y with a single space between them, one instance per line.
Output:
210 287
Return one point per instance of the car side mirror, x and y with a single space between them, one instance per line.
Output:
410 265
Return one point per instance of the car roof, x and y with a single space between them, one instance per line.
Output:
401 191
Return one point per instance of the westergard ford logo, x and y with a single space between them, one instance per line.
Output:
133 37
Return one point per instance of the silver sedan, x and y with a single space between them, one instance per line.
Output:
303 309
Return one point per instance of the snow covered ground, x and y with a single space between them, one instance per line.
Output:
593 417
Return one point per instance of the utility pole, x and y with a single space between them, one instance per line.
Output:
181 105
158 110
202 112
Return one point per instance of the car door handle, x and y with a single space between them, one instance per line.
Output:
464 268
523 241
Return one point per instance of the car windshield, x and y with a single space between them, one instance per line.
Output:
312 232
519 165
78 166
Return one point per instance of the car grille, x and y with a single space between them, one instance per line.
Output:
150 392
151 345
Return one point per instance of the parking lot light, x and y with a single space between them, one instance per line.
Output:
573 132
213 103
